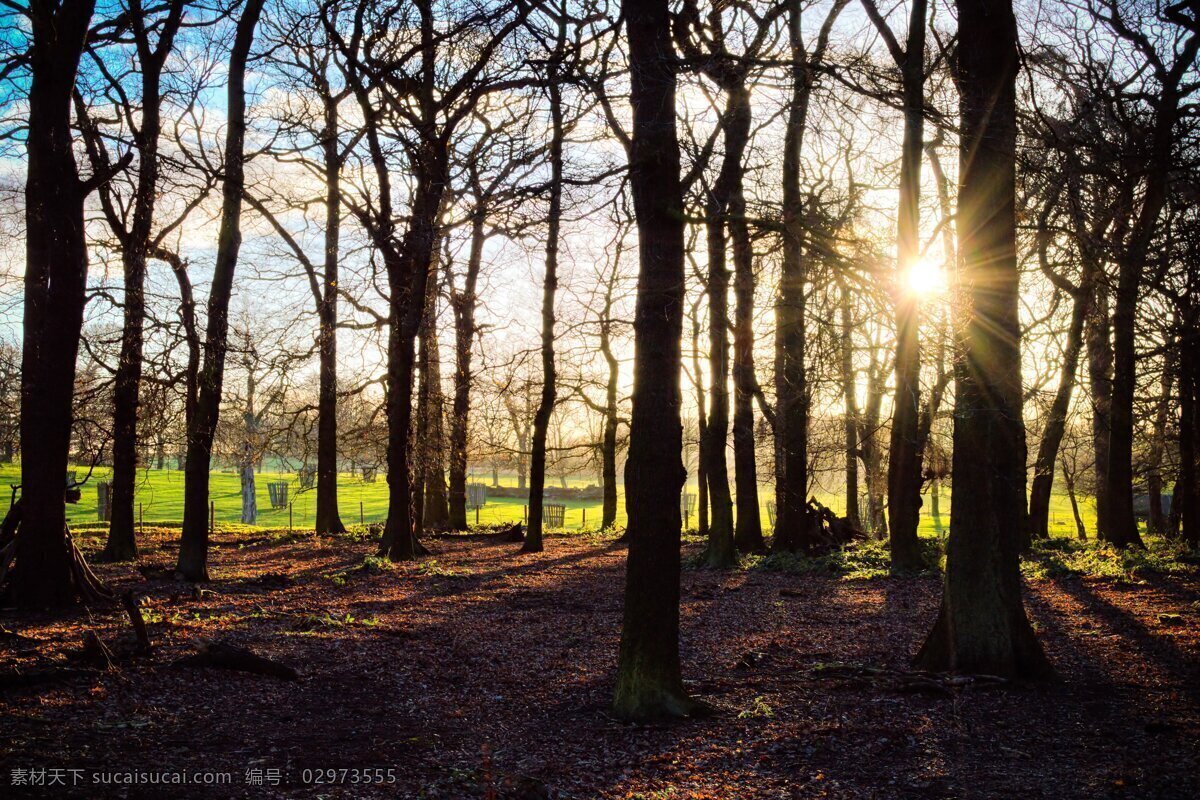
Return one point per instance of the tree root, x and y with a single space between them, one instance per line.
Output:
87 583
88 586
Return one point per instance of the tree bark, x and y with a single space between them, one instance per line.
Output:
202 425
981 626
56 265
432 509
850 401
1100 357
549 394
702 504
608 456
249 457
1157 521
720 549
735 126
1069 480
649 679
904 460
748 536
408 274
1187 488
463 304
328 519
871 450
791 380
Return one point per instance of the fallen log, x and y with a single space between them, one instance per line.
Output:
827 529
515 533
219 655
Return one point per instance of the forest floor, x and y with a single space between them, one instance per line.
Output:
482 673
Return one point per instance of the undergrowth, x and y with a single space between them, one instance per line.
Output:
858 561
1061 558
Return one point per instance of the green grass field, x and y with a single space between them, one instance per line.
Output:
160 495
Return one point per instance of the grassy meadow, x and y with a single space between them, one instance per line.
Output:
160 495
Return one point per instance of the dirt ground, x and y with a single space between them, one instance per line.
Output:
483 673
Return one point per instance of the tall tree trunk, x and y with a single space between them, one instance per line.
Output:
249 495
463 304
328 520
1069 480
1120 526
1187 488
720 550
420 444
1056 424
904 460
432 507
249 457
522 431
193 548
1157 522
437 509
981 626
408 274
1099 351
748 534
791 381
702 504
56 267
850 403
122 544
649 679
935 508
871 449
608 515
735 126
549 395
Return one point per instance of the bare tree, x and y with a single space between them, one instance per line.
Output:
202 424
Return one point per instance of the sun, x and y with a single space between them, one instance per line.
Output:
925 279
